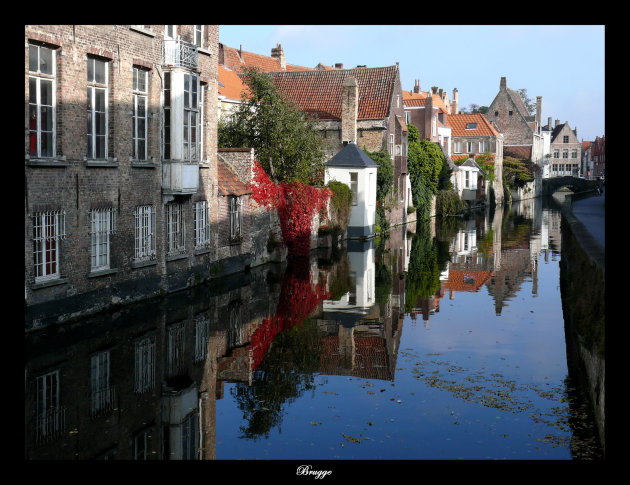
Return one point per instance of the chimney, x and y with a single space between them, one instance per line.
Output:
349 110
416 86
556 124
455 102
339 65
503 84
549 123
278 53
538 113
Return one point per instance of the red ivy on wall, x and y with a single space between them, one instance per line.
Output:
296 204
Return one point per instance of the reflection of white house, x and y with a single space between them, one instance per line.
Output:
180 416
357 303
354 168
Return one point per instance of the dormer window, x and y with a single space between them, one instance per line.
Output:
471 126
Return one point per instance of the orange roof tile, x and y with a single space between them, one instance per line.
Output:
467 280
235 59
230 84
227 181
319 92
420 99
458 124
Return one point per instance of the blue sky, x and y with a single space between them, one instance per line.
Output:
562 63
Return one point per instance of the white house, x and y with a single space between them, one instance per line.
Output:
354 168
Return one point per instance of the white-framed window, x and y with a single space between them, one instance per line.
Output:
41 101
433 125
236 217
483 146
144 365
170 31
97 108
470 146
191 117
166 111
457 147
49 228
202 223
398 150
391 145
49 414
202 336
354 186
102 225
565 153
199 31
144 248
407 117
175 340
175 230
556 154
140 121
102 393
467 179
574 153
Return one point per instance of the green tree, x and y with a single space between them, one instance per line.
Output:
384 184
425 160
529 104
287 144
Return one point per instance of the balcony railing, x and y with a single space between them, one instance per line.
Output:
179 53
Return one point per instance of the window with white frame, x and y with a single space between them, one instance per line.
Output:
470 146
97 108
49 414
144 249
102 226
483 146
101 391
170 31
391 145
202 336
556 154
457 147
574 153
144 365
49 228
354 186
565 153
236 217
199 31
175 340
433 125
191 117
140 122
202 224
166 123
467 179
175 242
41 101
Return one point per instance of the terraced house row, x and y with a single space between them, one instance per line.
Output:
123 197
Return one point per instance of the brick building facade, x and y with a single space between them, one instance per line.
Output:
121 193
565 150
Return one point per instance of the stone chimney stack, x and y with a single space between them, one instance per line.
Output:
538 113
503 85
349 110
455 103
416 86
549 123
556 124
278 53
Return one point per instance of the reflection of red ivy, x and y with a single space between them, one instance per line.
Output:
296 204
298 298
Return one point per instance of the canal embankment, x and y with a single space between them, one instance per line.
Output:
582 284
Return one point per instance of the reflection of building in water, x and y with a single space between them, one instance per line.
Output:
359 337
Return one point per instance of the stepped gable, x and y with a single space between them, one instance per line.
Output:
319 93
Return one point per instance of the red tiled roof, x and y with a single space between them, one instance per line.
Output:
458 124
319 92
227 181
411 99
471 280
230 84
232 60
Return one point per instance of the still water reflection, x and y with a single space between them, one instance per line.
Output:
444 341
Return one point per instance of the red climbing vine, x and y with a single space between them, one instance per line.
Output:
296 204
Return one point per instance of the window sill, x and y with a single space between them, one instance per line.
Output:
203 50
47 162
200 251
175 257
142 31
46 284
102 272
112 162
142 264
139 164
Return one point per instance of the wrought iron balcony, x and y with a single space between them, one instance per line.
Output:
178 53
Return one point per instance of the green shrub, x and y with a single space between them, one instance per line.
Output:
448 203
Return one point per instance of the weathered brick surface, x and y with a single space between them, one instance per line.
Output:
71 183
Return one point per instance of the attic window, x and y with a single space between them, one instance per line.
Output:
471 126
511 113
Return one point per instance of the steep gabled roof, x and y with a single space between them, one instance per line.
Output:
230 84
459 122
319 93
412 100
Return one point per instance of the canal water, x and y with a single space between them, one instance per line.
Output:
443 341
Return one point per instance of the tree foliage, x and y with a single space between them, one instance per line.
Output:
517 172
529 104
286 142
